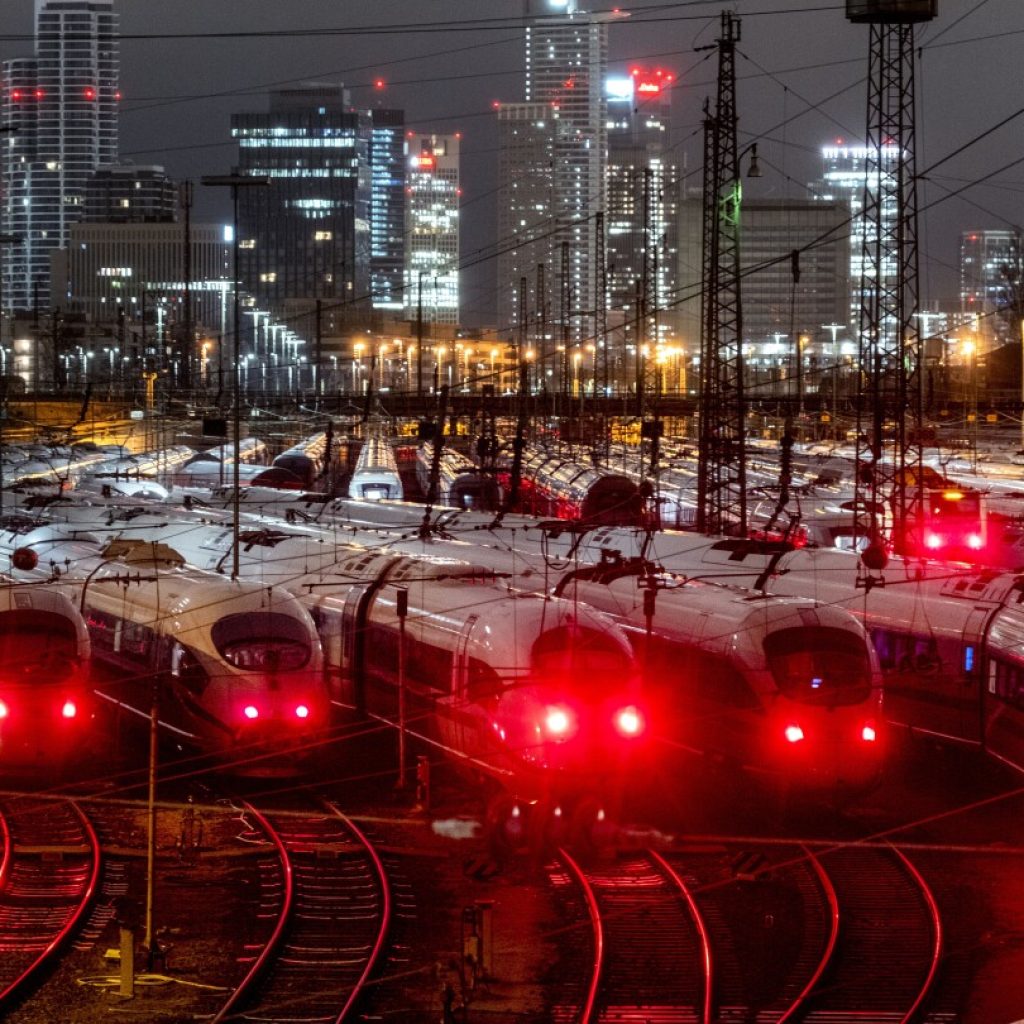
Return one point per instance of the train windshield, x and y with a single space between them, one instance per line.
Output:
820 665
36 647
585 662
262 641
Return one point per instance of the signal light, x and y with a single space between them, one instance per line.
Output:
867 733
302 711
629 721
69 710
251 711
794 733
558 721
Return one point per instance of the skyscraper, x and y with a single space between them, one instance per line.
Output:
642 197
387 207
566 60
62 105
432 227
306 235
990 266
844 179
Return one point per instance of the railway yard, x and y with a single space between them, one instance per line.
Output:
291 906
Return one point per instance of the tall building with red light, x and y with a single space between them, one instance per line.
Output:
642 207
990 283
432 228
63 106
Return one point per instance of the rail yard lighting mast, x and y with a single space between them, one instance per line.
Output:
235 182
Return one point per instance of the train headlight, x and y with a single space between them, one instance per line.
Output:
251 712
559 721
69 710
629 721
868 733
794 733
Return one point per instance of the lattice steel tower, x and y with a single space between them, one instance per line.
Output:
889 417
721 478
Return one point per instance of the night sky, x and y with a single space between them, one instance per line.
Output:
801 71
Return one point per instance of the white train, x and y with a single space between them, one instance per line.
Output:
460 484
307 460
239 665
46 698
376 477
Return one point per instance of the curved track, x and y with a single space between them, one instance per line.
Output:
332 906
48 878
651 957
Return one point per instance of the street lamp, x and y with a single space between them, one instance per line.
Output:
235 182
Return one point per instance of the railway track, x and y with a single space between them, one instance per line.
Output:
328 898
838 936
651 956
49 875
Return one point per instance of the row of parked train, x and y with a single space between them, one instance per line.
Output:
541 656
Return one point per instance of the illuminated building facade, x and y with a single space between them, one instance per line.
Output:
642 203
387 208
566 65
526 155
990 280
844 180
307 234
128 194
63 104
432 227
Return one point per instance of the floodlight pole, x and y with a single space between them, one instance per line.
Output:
234 182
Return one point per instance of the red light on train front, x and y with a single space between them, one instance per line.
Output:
69 709
794 733
974 541
302 711
629 721
251 712
3 709
933 541
868 733
559 721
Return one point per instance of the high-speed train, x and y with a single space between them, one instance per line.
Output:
559 486
325 572
239 665
306 461
46 698
786 688
460 483
376 477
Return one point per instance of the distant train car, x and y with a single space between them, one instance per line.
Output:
376 476
306 461
47 706
251 450
240 664
460 484
556 486
786 689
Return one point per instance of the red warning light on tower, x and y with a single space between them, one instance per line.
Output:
89 92
378 83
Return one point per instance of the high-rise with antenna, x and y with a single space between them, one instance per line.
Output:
889 416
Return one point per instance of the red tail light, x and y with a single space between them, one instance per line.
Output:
933 541
69 710
3 709
251 711
974 542
302 711
868 733
559 721
629 721
794 733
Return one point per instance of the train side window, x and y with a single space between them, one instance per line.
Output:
102 629
1006 682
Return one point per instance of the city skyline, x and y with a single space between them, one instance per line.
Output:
448 82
